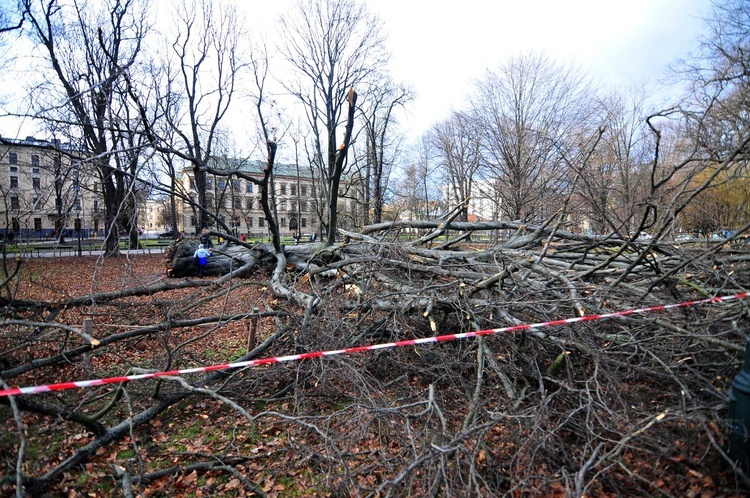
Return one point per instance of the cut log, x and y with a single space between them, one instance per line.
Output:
230 257
224 259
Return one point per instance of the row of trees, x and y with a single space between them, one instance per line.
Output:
144 105
537 139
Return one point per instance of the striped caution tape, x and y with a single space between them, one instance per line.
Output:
319 354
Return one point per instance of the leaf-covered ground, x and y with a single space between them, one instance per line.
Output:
363 419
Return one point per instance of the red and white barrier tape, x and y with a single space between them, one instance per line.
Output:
411 342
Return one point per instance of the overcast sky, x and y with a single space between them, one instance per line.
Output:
441 47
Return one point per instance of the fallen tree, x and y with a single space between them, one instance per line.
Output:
482 416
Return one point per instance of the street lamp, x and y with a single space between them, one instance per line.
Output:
79 227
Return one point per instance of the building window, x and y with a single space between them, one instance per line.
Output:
236 185
249 223
282 222
302 206
34 203
249 203
249 187
221 184
36 183
35 159
96 206
294 189
36 171
37 224
14 169
261 221
283 189
237 203
12 158
209 183
13 182
14 204
303 190
96 226
303 223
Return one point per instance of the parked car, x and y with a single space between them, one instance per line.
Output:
684 237
166 235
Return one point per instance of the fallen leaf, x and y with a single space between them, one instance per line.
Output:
233 484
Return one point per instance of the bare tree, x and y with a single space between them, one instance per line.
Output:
615 182
12 19
88 59
200 88
712 129
378 111
527 108
417 191
456 142
333 45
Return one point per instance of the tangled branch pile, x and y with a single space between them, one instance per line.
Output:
627 406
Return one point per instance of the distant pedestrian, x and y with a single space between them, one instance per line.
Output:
201 258
243 238
206 239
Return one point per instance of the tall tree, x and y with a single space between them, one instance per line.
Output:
88 51
457 146
614 184
333 46
721 87
527 109
202 75
418 187
378 112
716 122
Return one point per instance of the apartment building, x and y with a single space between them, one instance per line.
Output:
236 201
46 191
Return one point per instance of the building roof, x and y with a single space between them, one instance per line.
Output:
30 141
256 167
